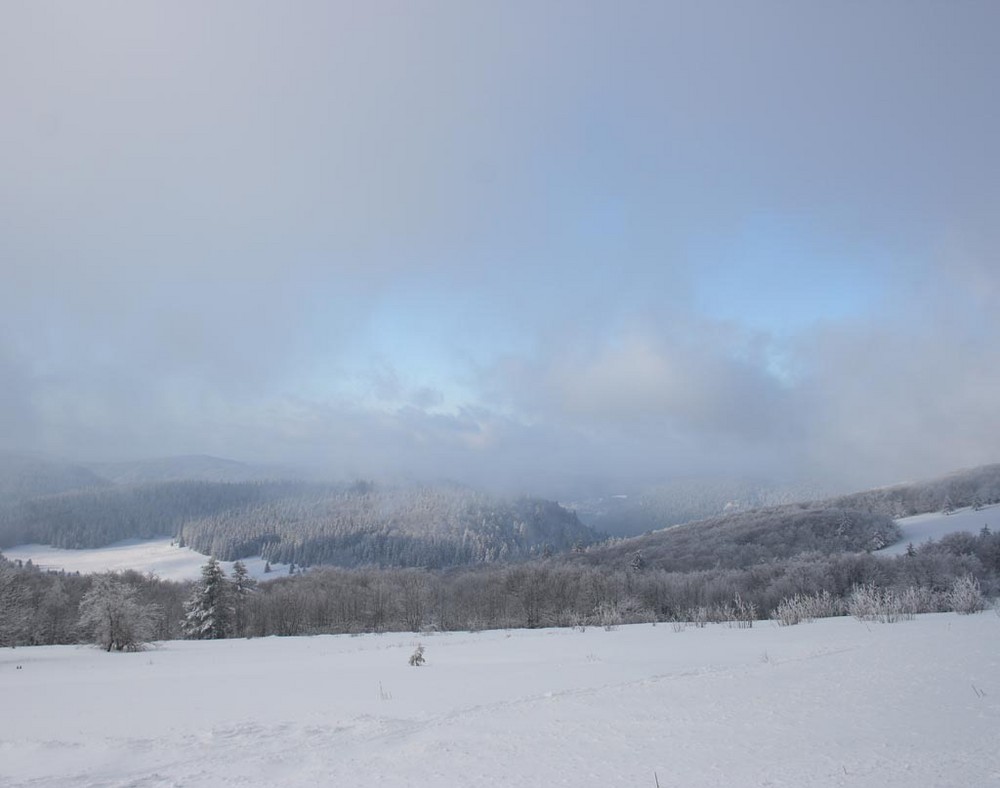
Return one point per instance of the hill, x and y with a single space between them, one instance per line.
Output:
972 487
743 539
23 477
194 467
303 523
630 512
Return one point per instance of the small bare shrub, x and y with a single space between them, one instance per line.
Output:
915 600
608 615
698 616
742 613
966 597
871 603
791 611
417 657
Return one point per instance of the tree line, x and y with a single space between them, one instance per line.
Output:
43 607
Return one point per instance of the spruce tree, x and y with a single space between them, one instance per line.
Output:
209 610
243 586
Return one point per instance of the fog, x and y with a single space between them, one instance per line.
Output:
511 245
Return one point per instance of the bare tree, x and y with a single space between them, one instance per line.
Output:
114 618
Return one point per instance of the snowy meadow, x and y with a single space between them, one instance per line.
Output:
837 702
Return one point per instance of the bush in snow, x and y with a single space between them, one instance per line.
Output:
871 603
920 599
112 616
791 611
740 613
608 615
698 616
417 657
807 607
965 596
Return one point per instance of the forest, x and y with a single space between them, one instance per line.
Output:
39 607
447 558
307 524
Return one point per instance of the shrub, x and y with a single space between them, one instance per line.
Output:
698 616
966 597
608 615
806 607
741 612
871 603
417 657
915 600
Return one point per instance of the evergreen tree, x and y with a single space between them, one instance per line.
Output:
15 605
209 611
243 586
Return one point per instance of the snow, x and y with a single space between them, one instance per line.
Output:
832 703
159 556
922 527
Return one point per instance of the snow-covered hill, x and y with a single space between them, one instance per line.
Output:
934 525
159 556
833 703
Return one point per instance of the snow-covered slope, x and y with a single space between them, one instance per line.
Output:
159 556
934 525
834 703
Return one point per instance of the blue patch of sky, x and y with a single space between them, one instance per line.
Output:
431 338
776 277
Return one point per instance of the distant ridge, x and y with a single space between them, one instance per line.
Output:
23 477
191 467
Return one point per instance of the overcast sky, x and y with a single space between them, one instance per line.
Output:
526 242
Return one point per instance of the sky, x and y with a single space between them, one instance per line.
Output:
529 245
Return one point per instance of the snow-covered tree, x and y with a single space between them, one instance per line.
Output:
209 610
243 586
112 615
966 596
15 608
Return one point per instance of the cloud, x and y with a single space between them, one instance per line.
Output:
476 240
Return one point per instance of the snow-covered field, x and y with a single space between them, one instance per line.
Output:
833 703
159 556
934 525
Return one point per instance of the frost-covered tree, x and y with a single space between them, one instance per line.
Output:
209 611
15 609
114 618
966 596
243 586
